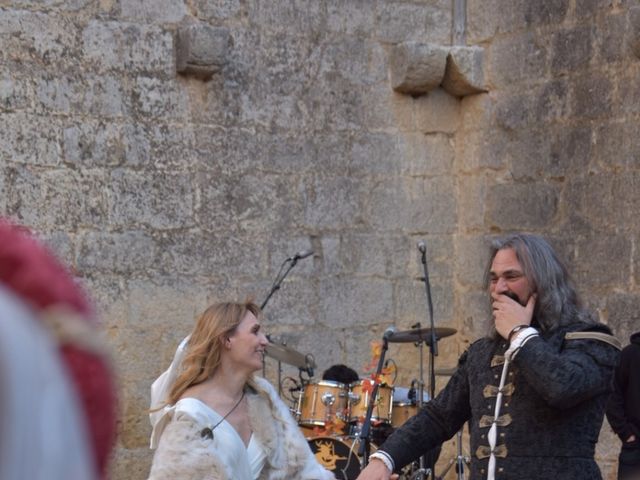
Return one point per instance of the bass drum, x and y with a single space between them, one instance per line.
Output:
339 455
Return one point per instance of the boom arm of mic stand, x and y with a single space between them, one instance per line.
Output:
279 279
365 434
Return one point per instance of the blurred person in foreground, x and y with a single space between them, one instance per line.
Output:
57 393
534 391
623 410
214 419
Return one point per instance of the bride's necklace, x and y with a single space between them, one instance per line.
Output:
208 431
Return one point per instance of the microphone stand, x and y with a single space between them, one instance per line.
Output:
365 432
282 274
433 351
292 261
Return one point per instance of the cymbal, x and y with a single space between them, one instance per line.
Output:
288 355
421 335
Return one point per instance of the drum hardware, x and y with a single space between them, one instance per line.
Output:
320 402
459 461
365 433
446 372
290 356
289 263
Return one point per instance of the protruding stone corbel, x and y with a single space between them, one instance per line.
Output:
464 74
417 68
201 50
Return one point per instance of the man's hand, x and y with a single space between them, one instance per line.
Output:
632 438
376 470
507 313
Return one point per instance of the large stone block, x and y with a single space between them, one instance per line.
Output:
93 144
417 68
414 205
556 154
254 203
303 17
355 301
572 48
73 199
75 93
153 10
389 110
152 199
368 254
110 45
333 202
513 112
16 91
628 91
30 139
438 111
623 314
221 10
551 101
522 206
123 253
592 96
610 39
471 202
217 255
360 61
589 201
154 97
375 154
352 17
517 59
540 12
410 302
39 38
399 22
426 155
595 256
616 145
472 257
633 37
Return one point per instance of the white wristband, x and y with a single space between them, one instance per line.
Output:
522 337
385 458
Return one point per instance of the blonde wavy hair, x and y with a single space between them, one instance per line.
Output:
213 327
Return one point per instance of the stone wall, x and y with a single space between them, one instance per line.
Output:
165 192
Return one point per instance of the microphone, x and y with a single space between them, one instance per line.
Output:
388 333
411 394
422 246
301 255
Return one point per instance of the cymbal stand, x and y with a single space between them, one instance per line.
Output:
433 348
459 461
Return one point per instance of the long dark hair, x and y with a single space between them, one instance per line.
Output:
557 302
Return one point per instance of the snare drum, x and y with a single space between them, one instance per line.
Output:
359 400
339 455
402 411
321 402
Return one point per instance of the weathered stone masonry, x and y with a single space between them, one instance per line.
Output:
166 190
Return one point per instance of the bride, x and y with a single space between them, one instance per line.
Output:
217 420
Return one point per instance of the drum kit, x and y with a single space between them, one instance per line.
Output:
330 413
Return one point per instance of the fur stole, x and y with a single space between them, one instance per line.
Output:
183 453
